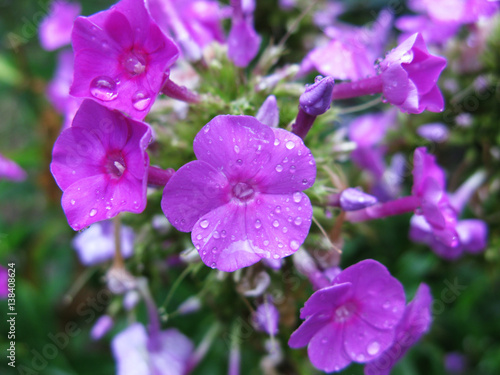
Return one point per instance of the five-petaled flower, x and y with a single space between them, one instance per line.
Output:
242 199
352 320
121 57
100 163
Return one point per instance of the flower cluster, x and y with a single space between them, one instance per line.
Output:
253 173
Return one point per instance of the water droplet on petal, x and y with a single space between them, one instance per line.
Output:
141 100
199 237
298 220
277 209
290 145
213 265
239 161
294 244
297 197
258 224
292 169
236 149
92 212
304 181
214 250
276 142
104 88
276 223
279 168
284 230
373 348
216 235
266 242
204 224
223 234
276 256
73 202
386 304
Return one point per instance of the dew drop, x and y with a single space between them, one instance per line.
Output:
216 235
360 358
373 348
290 145
277 209
104 88
304 181
258 224
223 234
73 202
140 100
214 250
239 161
294 244
292 169
236 149
276 224
204 224
92 212
298 220
213 265
276 142
266 242
279 168
297 197
199 237
284 230
276 256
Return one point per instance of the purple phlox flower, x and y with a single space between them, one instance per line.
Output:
242 199
409 75
352 199
97 243
58 88
243 41
352 320
4 285
269 113
351 51
415 322
430 188
472 233
100 163
55 29
433 31
434 132
9 170
192 23
101 327
266 317
121 57
455 363
455 11
135 355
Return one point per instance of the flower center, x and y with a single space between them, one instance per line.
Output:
134 63
344 312
115 165
243 191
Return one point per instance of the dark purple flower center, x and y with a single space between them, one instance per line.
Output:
115 165
243 191
344 312
134 63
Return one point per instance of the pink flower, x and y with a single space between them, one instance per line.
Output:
242 199
352 320
100 163
121 57
10 170
409 77
243 41
55 29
